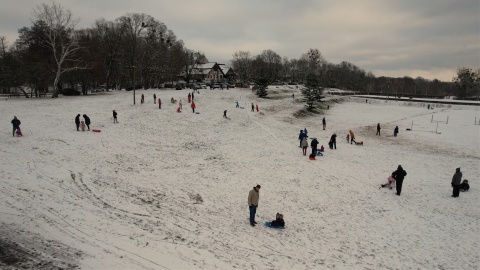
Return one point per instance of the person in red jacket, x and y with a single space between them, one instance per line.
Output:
159 103
193 107
256 107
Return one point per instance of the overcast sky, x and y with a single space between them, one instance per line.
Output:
429 38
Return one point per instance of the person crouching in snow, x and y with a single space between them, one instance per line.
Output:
179 110
464 186
312 156
390 182
278 222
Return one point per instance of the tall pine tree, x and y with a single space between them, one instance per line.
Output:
312 91
262 84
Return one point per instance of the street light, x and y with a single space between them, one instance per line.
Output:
133 68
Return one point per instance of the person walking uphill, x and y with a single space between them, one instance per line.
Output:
395 131
352 137
456 181
193 107
87 121
16 124
398 175
378 129
253 197
77 121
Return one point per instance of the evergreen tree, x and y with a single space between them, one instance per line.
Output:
262 84
312 91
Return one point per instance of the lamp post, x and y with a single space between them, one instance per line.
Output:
133 68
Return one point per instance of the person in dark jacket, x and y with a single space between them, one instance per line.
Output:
300 137
16 124
87 121
278 222
333 141
398 175
395 131
456 180
464 186
314 145
324 122
77 121
154 99
115 117
378 129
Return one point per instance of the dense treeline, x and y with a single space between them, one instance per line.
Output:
136 50
348 76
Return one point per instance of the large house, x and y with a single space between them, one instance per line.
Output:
208 72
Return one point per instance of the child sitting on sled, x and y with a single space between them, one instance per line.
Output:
278 222
18 132
390 182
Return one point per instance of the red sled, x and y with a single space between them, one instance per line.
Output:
96 130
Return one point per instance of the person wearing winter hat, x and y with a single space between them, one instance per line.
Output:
398 175
253 197
456 181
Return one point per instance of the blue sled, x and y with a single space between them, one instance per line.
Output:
273 227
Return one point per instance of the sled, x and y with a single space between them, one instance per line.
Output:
359 143
197 113
96 130
273 227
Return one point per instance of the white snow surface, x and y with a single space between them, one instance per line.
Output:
168 190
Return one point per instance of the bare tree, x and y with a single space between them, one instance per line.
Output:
60 37
241 63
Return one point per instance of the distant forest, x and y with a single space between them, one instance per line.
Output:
136 50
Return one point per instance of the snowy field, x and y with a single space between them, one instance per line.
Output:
167 190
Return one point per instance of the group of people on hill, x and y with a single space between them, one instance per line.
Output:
81 124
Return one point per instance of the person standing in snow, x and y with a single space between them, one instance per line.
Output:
304 145
154 99
333 141
306 132
253 198
189 97
238 105
193 95
300 137
159 103
180 104
456 181
142 99
77 121
378 129
398 175
352 137
395 131
324 123
16 124
253 108
225 114
115 117
257 107
82 125
314 145
87 121
193 107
